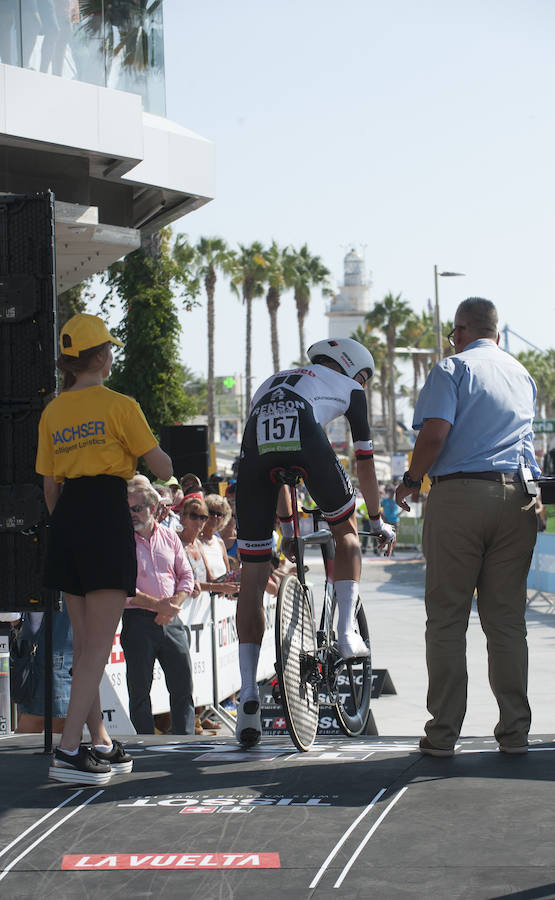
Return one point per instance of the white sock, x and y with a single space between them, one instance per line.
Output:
248 664
104 748
69 752
347 596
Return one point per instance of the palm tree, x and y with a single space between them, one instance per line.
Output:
307 271
248 274
377 348
279 275
124 29
389 315
418 334
207 257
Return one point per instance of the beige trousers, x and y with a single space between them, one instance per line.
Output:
476 535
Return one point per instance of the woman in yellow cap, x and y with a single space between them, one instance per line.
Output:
89 441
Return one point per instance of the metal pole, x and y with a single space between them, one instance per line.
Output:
437 318
48 672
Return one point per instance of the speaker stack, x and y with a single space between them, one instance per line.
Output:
27 382
188 447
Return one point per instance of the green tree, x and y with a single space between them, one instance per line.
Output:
541 367
378 349
390 315
205 259
248 278
306 272
278 275
148 367
73 301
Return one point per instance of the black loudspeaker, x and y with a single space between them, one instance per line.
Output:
188 447
27 380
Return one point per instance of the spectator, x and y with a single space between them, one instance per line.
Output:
191 485
213 547
175 487
228 534
91 551
151 627
164 513
390 510
194 517
474 416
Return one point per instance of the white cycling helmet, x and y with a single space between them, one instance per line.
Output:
351 355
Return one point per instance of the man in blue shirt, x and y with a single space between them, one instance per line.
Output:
474 416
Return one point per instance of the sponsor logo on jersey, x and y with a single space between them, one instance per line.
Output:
278 394
78 432
278 408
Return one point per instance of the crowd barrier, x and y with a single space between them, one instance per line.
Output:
214 648
541 578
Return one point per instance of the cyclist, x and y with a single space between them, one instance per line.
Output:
285 428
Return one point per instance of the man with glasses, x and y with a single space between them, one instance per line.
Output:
151 626
474 416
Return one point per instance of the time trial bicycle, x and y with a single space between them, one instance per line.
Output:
309 667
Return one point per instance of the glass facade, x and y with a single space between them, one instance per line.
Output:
118 44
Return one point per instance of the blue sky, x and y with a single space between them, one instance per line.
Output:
419 133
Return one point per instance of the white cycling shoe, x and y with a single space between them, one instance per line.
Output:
249 726
351 646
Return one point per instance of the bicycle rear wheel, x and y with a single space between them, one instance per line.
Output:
354 681
296 662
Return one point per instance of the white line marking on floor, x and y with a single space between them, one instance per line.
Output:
47 833
342 840
363 843
44 818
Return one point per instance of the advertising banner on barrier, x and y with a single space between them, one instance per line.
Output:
114 698
227 645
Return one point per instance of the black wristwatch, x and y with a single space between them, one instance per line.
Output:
409 483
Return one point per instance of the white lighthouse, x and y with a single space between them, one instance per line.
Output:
349 306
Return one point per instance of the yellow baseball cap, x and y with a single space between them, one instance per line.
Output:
82 332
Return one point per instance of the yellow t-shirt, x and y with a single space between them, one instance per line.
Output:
94 431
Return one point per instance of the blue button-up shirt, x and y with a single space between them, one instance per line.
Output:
489 399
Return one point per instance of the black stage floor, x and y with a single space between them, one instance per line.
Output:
355 818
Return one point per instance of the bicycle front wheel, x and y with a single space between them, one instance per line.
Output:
354 681
296 664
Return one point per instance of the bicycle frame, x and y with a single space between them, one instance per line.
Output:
325 540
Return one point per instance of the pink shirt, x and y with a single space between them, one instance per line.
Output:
162 565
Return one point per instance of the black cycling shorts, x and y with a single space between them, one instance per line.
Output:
278 435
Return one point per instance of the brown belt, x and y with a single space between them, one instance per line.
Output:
503 477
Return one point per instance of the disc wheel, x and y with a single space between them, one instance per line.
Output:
354 681
295 651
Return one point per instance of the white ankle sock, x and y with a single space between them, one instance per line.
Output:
104 748
248 664
347 596
69 752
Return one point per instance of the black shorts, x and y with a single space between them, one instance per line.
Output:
256 497
91 542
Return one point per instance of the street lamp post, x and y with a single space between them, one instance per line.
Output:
436 310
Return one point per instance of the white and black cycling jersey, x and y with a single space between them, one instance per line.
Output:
329 395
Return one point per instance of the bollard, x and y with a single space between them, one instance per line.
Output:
5 707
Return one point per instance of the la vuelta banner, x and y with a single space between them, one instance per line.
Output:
179 860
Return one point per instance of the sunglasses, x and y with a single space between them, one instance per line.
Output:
197 517
138 509
216 515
